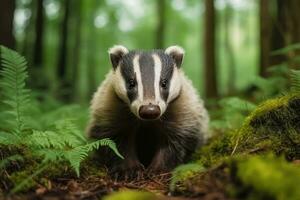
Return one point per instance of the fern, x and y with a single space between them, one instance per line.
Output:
63 142
295 80
78 154
16 96
66 143
232 113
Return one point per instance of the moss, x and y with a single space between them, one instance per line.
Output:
131 195
92 166
205 183
269 177
218 148
20 176
273 126
183 173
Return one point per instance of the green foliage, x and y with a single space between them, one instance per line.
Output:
63 142
276 83
131 195
269 177
15 96
286 49
295 80
232 113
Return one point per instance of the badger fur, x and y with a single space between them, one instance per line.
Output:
150 109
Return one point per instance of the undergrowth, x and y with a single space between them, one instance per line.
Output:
23 143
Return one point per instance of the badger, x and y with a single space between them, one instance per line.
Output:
150 109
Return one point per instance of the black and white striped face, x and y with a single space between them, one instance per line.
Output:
147 80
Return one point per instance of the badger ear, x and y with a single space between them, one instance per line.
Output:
176 52
116 53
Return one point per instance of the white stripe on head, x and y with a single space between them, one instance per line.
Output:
120 85
175 84
157 73
137 71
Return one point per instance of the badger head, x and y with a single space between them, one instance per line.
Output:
147 80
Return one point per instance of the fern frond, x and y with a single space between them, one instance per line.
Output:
12 83
295 80
44 139
9 139
69 133
78 154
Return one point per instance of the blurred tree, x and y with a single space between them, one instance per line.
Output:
29 32
265 37
277 30
229 49
39 35
77 15
92 84
160 30
7 9
277 40
287 24
62 55
211 86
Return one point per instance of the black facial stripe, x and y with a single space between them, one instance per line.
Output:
146 63
127 71
166 74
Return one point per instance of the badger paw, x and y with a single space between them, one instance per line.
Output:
128 171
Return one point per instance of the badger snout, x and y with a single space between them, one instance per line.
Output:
149 112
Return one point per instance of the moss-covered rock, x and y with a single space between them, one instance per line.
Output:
231 157
132 195
273 126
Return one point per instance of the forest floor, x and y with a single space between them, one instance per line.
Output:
96 187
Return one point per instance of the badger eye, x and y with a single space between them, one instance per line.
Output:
131 83
163 84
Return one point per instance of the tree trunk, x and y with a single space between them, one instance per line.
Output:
277 32
229 50
77 46
277 40
7 9
293 32
91 62
62 56
209 51
265 37
39 35
160 31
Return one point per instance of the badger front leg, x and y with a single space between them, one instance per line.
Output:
127 168
171 153
130 167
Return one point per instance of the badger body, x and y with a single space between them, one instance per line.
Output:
150 109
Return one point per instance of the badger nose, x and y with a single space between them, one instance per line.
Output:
149 111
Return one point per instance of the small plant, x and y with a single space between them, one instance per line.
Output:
295 80
232 112
64 142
